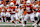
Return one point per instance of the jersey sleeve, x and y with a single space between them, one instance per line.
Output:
25 12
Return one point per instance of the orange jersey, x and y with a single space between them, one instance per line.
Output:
12 7
0 9
30 8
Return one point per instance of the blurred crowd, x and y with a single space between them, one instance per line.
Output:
19 10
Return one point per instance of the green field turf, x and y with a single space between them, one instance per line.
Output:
13 25
17 26
10 23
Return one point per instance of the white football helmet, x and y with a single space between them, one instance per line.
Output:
11 0
28 2
11 4
7 6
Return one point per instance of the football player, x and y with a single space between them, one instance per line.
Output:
29 10
19 14
3 14
8 15
38 17
12 7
